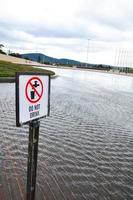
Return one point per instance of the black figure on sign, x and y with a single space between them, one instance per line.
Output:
32 93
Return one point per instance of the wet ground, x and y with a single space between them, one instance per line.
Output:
85 146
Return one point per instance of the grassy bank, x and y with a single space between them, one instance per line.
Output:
8 69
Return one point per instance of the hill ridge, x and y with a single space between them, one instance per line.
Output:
39 57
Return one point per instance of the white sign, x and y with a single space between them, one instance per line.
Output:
32 97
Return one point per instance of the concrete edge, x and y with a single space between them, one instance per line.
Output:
7 79
12 79
54 76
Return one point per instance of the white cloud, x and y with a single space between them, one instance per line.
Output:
61 28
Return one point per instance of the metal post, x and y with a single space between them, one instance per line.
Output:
32 158
87 53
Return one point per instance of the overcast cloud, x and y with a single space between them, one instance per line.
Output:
62 28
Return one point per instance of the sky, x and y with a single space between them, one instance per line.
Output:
93 31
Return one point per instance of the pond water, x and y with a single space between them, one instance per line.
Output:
85 146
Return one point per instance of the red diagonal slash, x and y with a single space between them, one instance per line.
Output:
34 89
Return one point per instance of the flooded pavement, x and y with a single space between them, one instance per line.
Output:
85 146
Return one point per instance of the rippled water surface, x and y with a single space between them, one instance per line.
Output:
85 146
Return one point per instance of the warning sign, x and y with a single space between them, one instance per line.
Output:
32 97
34 90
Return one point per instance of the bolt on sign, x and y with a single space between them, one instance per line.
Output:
32 97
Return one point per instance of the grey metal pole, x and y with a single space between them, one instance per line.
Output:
32 158
87 52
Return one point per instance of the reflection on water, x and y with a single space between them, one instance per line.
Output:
85 146
108 81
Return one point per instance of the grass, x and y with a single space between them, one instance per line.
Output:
8 69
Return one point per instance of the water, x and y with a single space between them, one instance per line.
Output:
85 146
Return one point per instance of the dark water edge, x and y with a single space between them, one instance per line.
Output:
85 146
7 79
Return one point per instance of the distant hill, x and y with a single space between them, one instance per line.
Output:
49 60
42 58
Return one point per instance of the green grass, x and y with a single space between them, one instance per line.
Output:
8 69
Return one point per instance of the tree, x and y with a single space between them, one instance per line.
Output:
15 55
27 58
1 46
39 59
1 51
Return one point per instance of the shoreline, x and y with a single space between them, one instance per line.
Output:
91 70
7 79
12 79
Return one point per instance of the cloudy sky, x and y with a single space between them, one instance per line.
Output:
69 28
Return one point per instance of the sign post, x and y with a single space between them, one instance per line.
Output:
32 103
32 159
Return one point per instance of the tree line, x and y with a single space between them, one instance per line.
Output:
9 52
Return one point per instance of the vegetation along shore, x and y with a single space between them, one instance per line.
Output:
8 70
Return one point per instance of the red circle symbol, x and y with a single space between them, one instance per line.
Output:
34 89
